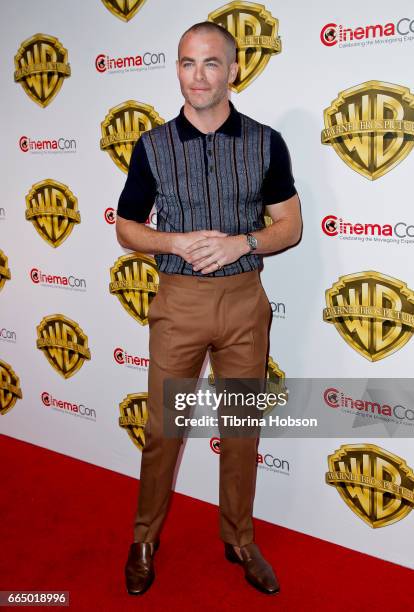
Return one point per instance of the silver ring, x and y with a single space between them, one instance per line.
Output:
218 265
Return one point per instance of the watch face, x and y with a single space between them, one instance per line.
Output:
252 241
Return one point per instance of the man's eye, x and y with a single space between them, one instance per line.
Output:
211 64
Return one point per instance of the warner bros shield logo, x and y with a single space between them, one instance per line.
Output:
374 313
134 416
63 343
5 273
122 127
41 66
10 390
124 9
256 33
52 208
371 127
376 485
135 280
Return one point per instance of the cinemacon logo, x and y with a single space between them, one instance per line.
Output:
110 215
71 282
152 220
336 226
335 398
123 358
56 145
333 34
8 335
268 460
104 62
69 407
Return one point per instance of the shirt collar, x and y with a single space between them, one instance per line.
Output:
187 131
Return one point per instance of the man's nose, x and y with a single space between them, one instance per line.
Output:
199 74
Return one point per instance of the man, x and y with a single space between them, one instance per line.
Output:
210 172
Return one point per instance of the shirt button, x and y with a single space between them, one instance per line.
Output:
209 152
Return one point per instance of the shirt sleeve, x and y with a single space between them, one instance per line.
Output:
278 183
138 194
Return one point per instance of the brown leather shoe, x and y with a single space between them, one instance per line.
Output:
139 569
256 569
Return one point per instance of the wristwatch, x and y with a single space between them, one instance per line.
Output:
252 242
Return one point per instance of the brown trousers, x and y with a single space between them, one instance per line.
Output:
229 317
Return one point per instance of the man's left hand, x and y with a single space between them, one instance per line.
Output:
210 254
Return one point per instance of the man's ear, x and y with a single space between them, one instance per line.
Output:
177 65
234 68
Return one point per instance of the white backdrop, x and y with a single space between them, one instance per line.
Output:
291 93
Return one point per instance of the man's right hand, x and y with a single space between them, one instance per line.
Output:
138 237
182 241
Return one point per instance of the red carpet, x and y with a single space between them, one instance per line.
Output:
66 525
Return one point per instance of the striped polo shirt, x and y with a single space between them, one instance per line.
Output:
216 181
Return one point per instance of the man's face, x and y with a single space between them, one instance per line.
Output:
204 69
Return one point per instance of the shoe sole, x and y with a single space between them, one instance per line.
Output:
261 589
